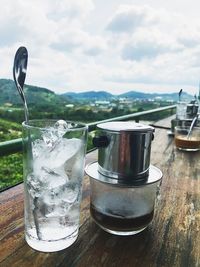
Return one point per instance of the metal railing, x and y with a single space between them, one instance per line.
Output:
15 145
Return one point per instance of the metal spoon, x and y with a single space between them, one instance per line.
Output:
19 74
179 95
192 125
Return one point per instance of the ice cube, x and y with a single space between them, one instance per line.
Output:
50 137
69 165
40 155
61 153
51 211
48 210
74 163
70 193
53 205
38 148
63 209
52 179
34 185
51 197
58 202
54 166
54 134
73 213
62 127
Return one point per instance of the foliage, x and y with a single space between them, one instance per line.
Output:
45 104
10 166
11 170
9 130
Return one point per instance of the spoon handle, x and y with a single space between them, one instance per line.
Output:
21 92
26 113
192 125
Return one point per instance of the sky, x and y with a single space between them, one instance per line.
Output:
113 45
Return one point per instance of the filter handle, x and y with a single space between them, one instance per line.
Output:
101 141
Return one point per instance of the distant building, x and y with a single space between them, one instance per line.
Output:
113 105
102 104
158 98
125 101
69 106
170 101
8 104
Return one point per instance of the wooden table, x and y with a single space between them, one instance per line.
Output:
172 239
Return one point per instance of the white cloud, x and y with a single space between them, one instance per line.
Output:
149 44
68 9
189 37
163 51
130 17
25 22
72 39
139 46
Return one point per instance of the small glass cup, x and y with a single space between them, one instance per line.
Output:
53 169
185 142
122 210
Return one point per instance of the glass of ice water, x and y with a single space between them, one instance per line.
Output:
53 169
181 110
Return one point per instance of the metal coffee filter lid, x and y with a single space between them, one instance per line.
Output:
154 176
117 126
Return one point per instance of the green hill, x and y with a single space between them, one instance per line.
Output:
36 96
42 97
91 95
134 95
164 96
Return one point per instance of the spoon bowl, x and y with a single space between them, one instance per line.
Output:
179 95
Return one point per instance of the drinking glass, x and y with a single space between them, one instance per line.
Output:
53 169
122 210
181 110
185 142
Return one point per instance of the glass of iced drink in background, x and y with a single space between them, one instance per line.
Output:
185 142
181 110
54 154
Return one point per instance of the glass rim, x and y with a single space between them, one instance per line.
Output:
27 125
186 127
181 102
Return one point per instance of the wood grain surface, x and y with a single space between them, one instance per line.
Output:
172 239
